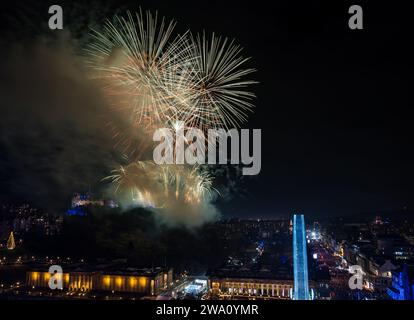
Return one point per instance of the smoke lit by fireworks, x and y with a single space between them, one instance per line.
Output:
151 185
157 80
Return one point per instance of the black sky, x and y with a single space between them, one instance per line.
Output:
334 104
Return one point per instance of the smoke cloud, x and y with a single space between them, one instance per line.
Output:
56 131
53 138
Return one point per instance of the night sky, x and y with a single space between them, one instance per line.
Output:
334 104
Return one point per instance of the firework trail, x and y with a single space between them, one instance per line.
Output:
151 185
159 82
220 99
142 71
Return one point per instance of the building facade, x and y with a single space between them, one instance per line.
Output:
402 284
250 288
142 281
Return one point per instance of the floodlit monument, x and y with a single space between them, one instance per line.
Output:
300 259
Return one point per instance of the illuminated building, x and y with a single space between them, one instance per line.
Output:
300 259
396 246
243 283
40 279
81 201
24 218
236 288
402 284
378 220
197 287
261 281
139 281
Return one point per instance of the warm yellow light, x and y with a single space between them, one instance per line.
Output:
107 281
142 281
119 281
132 282
35 276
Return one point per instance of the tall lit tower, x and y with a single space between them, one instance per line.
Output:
300 259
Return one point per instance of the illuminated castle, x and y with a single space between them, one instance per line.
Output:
80 202
300 259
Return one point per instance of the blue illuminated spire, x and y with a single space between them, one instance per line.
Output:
300 259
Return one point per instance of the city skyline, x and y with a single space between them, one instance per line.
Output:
225 156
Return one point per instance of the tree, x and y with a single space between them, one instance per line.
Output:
10 243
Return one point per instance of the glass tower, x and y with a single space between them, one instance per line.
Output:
300 259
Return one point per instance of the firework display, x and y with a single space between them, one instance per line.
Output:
220 97
153 185
161 81
141 69
156 80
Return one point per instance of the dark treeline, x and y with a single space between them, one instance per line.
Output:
134 235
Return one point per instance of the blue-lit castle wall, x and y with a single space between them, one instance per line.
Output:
402 284
80 203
